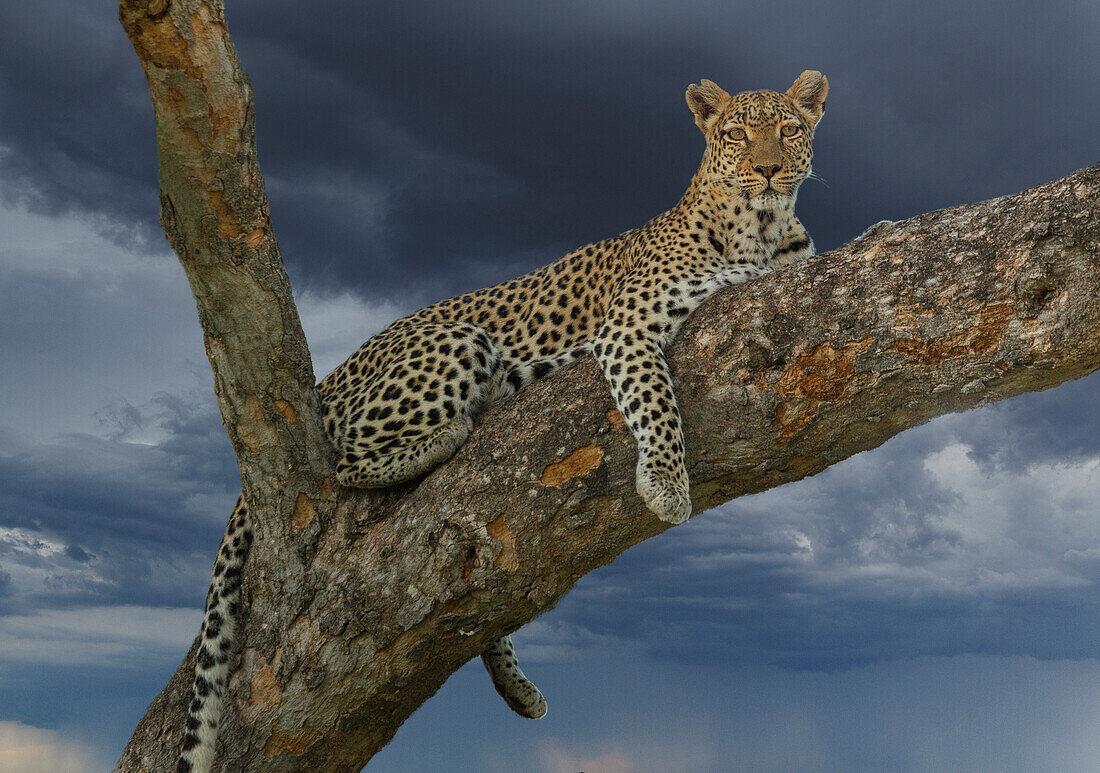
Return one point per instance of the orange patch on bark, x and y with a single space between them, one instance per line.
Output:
577 463
615 418
823 374
296 744
158 42
286 410
254 414
255 237
304 512
228 227
263 689
982 337
507 558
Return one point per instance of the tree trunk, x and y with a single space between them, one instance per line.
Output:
361 604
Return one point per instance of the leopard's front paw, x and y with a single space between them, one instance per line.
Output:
667 498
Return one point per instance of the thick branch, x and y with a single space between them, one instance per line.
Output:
215 214
362 604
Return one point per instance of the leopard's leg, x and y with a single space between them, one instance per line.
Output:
647 311
629 350
410 412
409 458
519 692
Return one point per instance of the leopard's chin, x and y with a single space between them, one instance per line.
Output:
770 198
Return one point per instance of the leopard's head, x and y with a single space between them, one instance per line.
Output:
759 143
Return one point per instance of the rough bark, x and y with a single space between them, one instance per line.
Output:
361 604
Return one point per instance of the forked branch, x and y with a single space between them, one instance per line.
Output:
362 604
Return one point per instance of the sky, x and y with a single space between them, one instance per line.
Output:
928 605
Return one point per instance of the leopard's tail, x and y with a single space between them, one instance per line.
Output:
216 640
519 692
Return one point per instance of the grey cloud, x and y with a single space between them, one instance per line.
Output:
92 327
28 749
1059 424
74 114
96 330
117 522
77 553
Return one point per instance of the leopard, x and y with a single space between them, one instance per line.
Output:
406 400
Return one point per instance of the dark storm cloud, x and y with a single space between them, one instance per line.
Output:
89 520
76 127
460 144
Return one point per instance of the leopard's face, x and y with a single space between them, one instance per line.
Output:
762 147
759 143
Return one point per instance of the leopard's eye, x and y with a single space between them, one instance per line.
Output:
736 133
791 129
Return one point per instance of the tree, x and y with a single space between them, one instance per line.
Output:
361 604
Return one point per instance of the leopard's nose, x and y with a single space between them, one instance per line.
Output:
766 169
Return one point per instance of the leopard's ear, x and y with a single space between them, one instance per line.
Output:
706 101
809 92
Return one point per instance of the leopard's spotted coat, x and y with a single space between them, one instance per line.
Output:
406 400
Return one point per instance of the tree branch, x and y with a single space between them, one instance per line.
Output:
363 603
215 213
